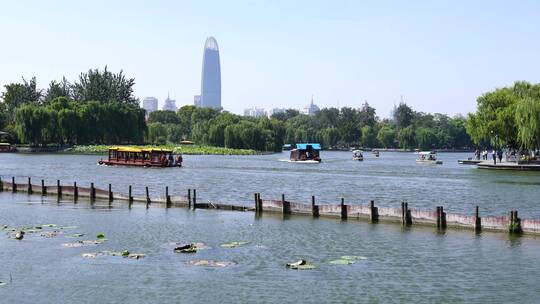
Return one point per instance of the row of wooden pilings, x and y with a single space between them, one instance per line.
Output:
514 226
406 217
191 195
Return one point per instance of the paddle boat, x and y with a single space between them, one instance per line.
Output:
428 157
357 155
306 153
145 157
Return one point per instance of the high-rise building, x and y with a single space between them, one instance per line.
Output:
312 109
150 104
197 100
255 112
211 75
170 104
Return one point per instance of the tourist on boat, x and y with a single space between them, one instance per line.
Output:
179 160
171 161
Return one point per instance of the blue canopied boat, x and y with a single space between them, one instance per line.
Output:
306 153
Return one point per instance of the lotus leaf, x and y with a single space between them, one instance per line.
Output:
234 244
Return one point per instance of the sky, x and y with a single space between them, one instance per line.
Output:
439 55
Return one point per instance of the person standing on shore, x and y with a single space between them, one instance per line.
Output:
500 155
494 155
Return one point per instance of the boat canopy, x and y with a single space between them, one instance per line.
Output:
139 150
5 144
305 146
426 152
357 151
286 145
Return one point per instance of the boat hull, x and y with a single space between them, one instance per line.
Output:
132 164
430 162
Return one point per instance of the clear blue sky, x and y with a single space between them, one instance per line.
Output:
440 55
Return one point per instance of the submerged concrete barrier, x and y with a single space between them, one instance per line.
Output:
404 215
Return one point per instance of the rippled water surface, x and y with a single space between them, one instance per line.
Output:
389 180
416 265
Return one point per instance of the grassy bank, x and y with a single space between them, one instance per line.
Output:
184 149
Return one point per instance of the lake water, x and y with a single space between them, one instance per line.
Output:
389 180
401 265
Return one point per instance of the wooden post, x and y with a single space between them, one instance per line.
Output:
29 186
374 211
92 192
75 191
194 199
286 206
260 203
110 193
408 218
43 188
256 203
189 198
167 197
130 197
58 188
343 209
1 185
147 198
477 220
443 218
13 185
314 208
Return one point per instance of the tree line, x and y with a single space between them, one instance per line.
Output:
332 127
99 108
508 116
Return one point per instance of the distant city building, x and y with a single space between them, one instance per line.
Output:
170 104
197 100
150 104
312 109
276 111
211 76
255 112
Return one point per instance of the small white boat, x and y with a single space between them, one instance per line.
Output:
428 157
376 153
357 155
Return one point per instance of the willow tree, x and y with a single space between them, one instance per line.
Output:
528 122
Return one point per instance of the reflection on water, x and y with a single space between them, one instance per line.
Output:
414 264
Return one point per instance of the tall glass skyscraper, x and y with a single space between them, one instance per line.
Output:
211 75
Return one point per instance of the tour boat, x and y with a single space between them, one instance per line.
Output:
306 153
427 157
7 147
357 155
145 157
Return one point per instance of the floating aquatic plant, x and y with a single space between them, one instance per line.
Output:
210 263
234 244
347 260
186 248
100 236
75 235
300 265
